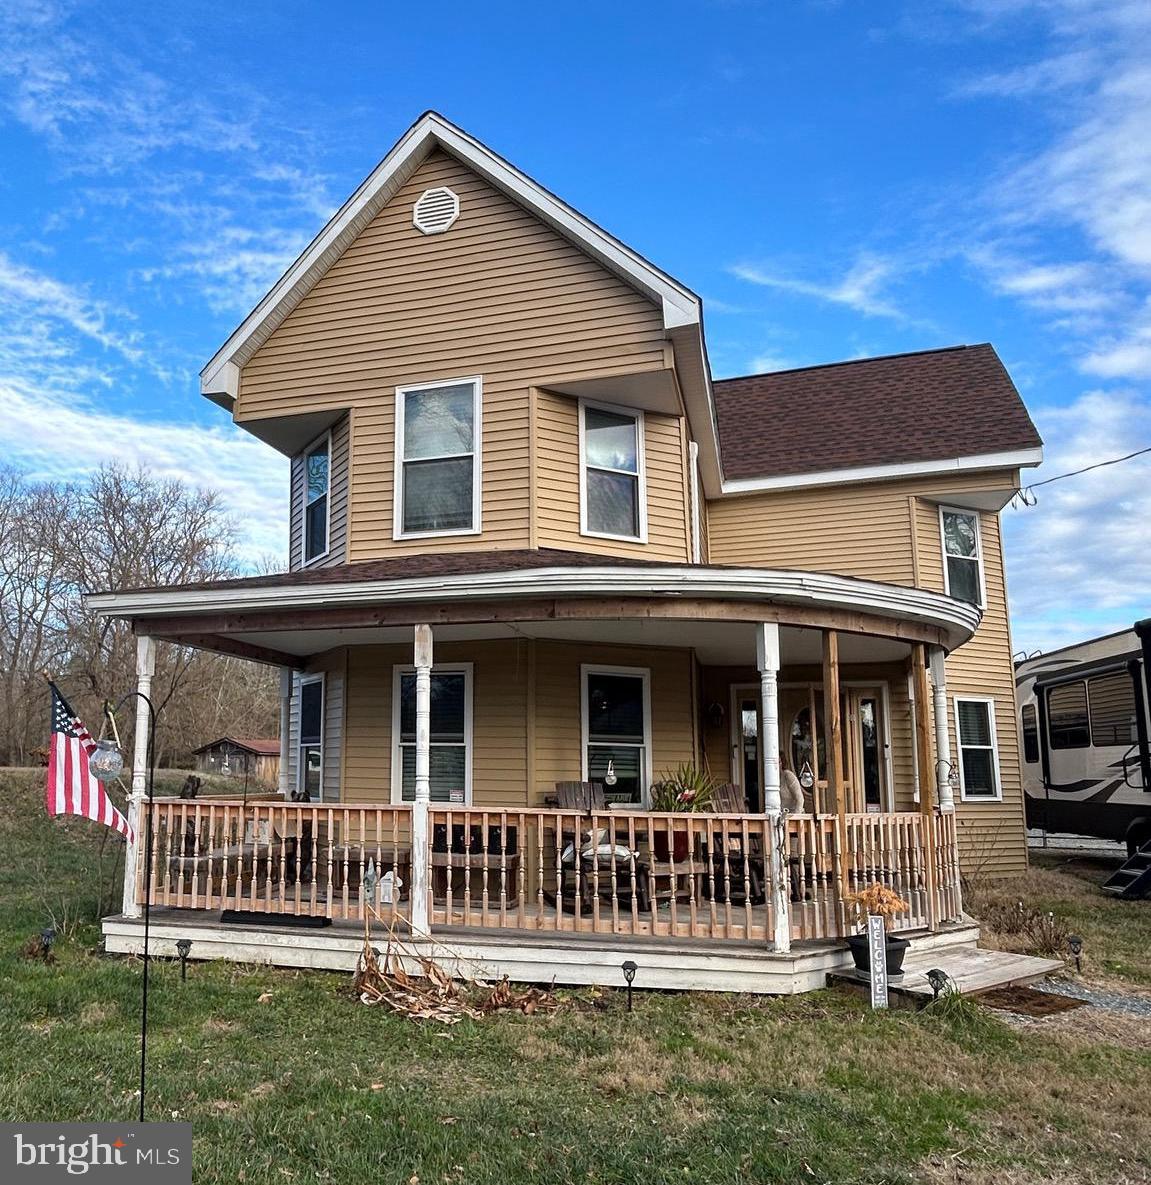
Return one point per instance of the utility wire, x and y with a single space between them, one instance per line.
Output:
1088 468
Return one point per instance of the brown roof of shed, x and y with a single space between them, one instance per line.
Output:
264 748
929 406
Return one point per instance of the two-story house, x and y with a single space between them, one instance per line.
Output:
540 559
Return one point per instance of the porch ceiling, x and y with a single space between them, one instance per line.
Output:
717 643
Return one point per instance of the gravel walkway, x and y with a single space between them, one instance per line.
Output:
1114 1001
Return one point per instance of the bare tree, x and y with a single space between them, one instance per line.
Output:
121 529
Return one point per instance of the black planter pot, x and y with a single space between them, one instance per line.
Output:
861 953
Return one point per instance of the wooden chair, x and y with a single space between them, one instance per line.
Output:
727 880
580 796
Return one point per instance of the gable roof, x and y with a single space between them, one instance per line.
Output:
681 307
904 414
262 748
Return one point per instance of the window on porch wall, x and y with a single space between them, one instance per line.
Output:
616 725
310 771
449 756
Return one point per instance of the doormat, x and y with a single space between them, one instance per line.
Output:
251 917
1029 1001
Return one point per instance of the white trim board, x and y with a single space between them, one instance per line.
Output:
773 586
1018 459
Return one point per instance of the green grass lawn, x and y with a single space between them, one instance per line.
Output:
313 1086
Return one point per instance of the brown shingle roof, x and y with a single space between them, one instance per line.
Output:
458 563
929 406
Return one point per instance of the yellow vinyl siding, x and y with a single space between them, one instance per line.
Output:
499 295
889 531
557 484
501 683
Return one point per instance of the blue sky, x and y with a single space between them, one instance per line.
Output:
836 179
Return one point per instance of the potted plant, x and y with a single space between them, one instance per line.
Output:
887 903
684 789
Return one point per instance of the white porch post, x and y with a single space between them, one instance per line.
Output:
767 660
145 669
945 797
286 680
421 870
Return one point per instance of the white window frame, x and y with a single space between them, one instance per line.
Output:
960 746
967 513
320 678
476 454
644 673
305 561
640 474
450 668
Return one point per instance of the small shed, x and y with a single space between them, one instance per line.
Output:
255 759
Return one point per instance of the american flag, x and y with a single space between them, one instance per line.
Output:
72 788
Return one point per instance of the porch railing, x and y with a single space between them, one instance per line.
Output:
606 872
280 858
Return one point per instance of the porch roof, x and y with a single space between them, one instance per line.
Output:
542 586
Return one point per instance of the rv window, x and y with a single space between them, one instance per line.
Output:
1030 734
1067 716
1112 709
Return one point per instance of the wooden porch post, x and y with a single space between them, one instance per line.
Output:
421 859
145 669
285 730
767 659
926 781
834 727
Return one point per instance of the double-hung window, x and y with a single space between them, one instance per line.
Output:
317 497
438 459
612 497
450 755
962 554
310 765
617 731
978 752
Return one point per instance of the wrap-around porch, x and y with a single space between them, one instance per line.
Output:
461 723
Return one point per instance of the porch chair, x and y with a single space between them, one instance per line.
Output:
727 878
596 856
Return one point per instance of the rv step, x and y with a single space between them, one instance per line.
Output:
1132 881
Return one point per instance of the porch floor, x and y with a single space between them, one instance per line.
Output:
528 956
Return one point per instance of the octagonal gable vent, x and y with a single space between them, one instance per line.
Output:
435 210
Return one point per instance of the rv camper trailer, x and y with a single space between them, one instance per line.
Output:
1084 737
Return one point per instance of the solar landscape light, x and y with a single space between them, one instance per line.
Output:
1075 945
629 969
183 949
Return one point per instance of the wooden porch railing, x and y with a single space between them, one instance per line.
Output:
607 872
279 858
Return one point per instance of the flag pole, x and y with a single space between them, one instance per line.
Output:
110 713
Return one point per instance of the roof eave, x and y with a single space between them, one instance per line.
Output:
1025 458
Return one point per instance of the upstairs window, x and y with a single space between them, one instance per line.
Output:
978 755
1067 723
317 497
437 459
962 554
611 473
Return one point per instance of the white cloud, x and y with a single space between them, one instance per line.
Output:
62 436
1078 561
860 289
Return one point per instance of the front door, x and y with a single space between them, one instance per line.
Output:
865 748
